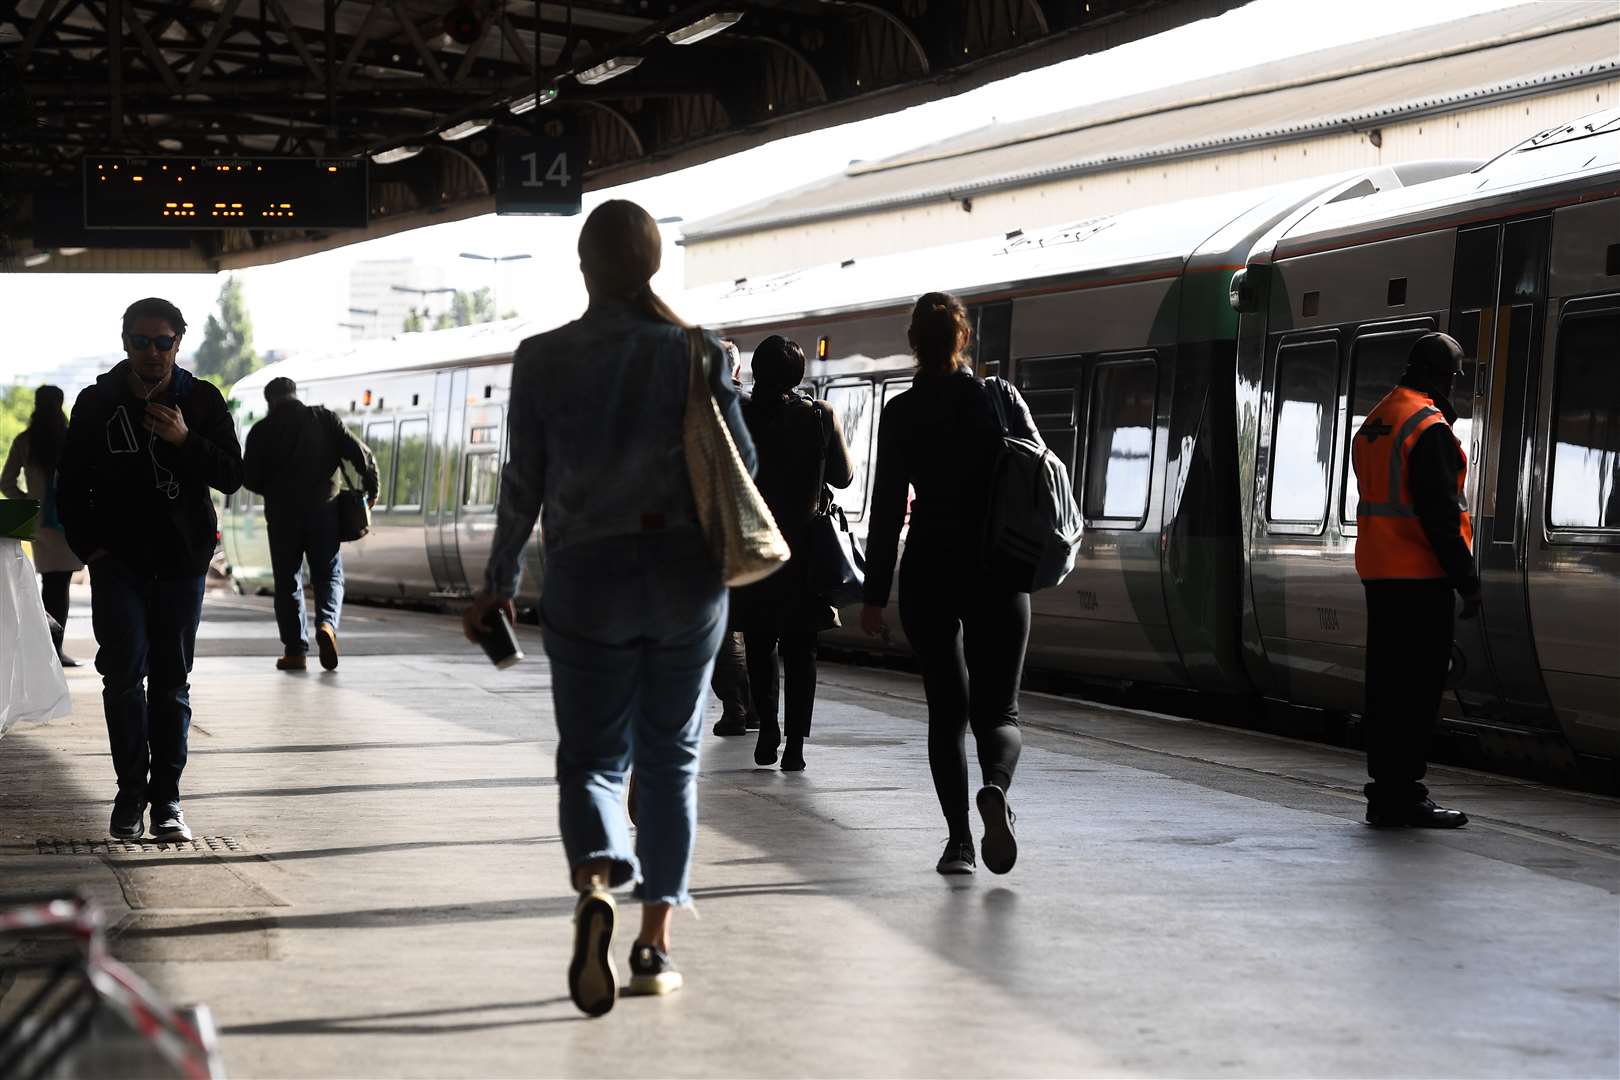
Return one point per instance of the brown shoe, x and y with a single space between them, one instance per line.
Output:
291 663
326 642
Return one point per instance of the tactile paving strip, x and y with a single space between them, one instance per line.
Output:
204 844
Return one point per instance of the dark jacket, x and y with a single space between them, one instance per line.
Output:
293 456
941 439
800 447
1432 469
123 490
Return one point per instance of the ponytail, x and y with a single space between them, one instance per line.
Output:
939 333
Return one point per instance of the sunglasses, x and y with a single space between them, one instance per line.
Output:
140 342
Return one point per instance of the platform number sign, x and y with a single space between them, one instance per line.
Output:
540 174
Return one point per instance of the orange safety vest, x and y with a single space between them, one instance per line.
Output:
1390 541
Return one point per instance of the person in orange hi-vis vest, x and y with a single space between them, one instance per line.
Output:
1414 548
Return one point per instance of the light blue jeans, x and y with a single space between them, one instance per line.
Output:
632 625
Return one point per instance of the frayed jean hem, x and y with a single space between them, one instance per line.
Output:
623 870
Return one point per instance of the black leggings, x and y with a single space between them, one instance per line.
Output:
788 658
54 594
969 638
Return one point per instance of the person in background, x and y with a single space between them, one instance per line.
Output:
33 456
632 607
144 446
293 459
969 630
730 680
1414 549
800 448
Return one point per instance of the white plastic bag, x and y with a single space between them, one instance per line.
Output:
32 686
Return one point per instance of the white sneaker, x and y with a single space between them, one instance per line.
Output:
592 981
169 824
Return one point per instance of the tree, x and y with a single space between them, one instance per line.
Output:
16 406
226 354
415 322
467 308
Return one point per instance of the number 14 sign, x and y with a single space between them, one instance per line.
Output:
540 174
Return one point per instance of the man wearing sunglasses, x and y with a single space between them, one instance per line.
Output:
144 446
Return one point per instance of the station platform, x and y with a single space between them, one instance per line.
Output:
379 890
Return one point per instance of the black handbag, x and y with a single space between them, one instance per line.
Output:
837 563
353 510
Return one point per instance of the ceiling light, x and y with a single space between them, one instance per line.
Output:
464 129
708 26
608 69
396 153
70 251
172 144
38 258
528 102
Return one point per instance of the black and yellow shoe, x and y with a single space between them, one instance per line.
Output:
651 973
592 981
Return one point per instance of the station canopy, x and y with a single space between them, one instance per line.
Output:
405 102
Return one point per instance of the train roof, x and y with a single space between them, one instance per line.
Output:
1564 163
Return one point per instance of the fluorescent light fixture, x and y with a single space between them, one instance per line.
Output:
172 144
611 68
395 153
38 258
708 26
71 251
528 102
464 129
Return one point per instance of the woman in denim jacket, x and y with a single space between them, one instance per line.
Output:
632 604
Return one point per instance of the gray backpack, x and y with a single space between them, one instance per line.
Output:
1033 525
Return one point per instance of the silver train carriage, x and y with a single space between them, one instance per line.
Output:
1200 368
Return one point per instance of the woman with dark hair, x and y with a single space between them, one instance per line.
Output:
968 628
801 448
34 455
633 607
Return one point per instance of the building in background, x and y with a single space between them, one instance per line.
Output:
382 293
1465 89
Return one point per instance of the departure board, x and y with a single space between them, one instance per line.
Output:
224 193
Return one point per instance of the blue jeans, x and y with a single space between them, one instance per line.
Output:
632 625
146 628
294 534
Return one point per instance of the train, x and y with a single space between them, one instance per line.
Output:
1200 368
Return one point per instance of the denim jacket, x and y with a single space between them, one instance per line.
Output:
595 436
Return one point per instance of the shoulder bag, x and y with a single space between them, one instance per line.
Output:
837 563
739 527
353 509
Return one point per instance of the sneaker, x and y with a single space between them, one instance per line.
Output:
1419 815
651 973
592 981
68 661
957 859
169 824
292 662
1000 845
731 725
793 756
128 817
326 642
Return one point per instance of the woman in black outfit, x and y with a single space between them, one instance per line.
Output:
33 457
968 629
800 447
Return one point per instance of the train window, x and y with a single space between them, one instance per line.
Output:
411 464
480 478
1586 425
1376 363
853 406
1306 396
1119 440
380 438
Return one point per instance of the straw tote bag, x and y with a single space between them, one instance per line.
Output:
741 532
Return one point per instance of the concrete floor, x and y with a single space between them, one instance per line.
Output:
1189 901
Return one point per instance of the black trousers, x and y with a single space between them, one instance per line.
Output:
53 594
1410 625
730 679
783 664
969 636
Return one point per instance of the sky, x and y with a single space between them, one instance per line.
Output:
298 305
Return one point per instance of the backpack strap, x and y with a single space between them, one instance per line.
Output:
1000 403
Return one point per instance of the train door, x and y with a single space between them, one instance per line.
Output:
481 458
1497 315
449 420
1575 558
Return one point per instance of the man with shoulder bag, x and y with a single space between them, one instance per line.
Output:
294 459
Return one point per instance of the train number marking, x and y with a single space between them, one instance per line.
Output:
1327 618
